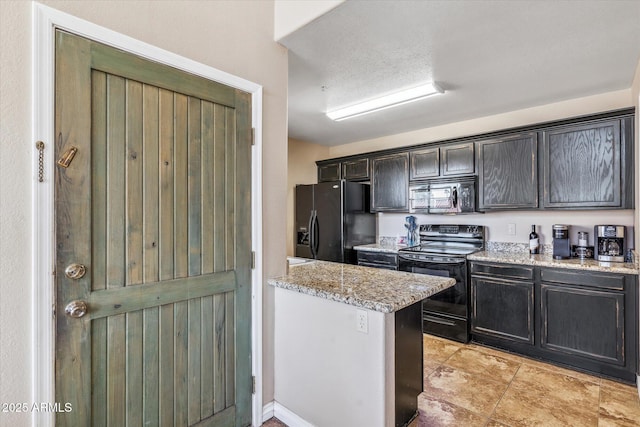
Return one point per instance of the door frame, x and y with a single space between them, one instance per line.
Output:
45 20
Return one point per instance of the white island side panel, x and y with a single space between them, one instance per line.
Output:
325 371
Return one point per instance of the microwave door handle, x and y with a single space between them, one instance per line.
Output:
454 197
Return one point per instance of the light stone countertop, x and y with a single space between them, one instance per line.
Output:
548 261
386 291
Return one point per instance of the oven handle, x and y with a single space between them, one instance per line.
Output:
409 258
438 320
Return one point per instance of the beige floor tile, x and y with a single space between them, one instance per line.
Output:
434 412
543 397
494 423
429 366
438 349
504 354
476 393
480 363
619 405
563 371
618 385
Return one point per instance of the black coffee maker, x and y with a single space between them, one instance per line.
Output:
609 242
561 245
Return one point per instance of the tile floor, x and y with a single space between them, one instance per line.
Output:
471 385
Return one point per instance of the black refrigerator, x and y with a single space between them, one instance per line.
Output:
332 218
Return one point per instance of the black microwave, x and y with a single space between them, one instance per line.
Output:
443 197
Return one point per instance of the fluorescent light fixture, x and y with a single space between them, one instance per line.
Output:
382 103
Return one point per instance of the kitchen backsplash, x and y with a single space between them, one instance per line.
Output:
391 225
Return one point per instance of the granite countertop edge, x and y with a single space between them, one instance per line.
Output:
377 247
548 261
382 296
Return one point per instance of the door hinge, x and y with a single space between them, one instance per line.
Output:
253 260
253 136
253 384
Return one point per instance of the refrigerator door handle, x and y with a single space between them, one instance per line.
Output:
316 234
311 232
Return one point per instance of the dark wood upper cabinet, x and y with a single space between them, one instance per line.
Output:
508 172
330 172
457 159
425 163
582 166
390 183
355 170
443 161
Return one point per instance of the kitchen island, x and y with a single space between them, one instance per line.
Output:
348 343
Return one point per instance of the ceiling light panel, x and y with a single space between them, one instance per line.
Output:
382 103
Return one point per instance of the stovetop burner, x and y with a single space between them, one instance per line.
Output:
455 240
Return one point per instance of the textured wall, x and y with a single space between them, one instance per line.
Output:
233 36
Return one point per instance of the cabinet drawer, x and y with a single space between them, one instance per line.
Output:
505 271
579 278
378 259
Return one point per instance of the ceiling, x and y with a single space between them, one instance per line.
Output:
490 57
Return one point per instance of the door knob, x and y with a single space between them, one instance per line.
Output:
76 309
75 271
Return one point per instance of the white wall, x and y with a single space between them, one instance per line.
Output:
291 15
236 37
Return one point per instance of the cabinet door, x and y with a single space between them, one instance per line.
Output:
425 163
507 169
583 322
390 183
355 170
457 159
329 172
503 309
582 166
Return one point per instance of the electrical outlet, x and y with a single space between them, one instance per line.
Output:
511 229
362 322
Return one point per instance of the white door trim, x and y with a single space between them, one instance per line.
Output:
44 21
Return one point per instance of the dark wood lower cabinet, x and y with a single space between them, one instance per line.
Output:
575 318
583 322
503 309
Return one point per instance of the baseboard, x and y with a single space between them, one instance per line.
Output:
274 409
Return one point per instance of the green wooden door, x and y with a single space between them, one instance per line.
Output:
156 205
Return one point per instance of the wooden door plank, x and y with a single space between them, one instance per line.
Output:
136 68
115 182
116 276
240 301
73 222
230 184
134 375
115 301
181 360
181 188
98 372
98 255
208 201
151 367
206 356
230 348
219 353
151 200
151 185
166 333
166 104
166 366
134 246
219 165
134 183
195 187
116 369
194 367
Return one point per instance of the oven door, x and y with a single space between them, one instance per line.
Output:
451 301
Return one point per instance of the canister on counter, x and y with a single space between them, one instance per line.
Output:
583 238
